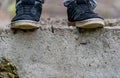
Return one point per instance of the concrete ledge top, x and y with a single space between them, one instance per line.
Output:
58 51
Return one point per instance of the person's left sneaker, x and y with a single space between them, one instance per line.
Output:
80 15
28 13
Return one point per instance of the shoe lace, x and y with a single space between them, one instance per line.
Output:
26 9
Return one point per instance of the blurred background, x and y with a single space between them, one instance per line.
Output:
55 9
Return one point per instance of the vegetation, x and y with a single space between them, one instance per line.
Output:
7 70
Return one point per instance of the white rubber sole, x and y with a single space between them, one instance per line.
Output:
90 23
24 24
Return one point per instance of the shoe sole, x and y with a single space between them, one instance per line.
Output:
90 23
24 24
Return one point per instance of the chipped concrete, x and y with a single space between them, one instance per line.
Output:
58 51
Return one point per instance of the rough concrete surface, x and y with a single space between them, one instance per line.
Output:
58 51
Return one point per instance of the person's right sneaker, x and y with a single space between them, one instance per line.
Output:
28 13
80 15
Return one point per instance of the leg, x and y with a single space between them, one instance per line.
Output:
28 13
81 14
92 3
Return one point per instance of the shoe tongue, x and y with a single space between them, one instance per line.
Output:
29 2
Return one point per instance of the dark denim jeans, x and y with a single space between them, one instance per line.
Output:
92 3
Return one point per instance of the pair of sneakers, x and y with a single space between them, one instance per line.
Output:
80 15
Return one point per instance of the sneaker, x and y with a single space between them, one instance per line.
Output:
80 15
28 13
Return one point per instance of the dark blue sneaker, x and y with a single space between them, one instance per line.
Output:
28 13
81 15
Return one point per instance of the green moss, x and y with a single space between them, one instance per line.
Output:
7 69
